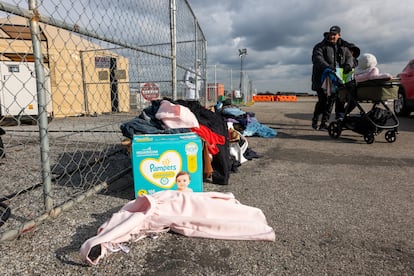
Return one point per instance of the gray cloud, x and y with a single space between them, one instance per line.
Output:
279 35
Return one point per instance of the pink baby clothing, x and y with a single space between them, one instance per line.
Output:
367 69
205 215
372 74
176 116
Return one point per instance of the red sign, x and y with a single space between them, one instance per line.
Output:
150 91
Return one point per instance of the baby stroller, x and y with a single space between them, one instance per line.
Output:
367 123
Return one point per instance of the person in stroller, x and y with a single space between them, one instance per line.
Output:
368 70
328 54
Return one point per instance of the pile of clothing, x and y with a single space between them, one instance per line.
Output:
167 116
193 214
244 122
223 132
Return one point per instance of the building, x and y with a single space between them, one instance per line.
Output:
82 78
214 91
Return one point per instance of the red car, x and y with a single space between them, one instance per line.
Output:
404 105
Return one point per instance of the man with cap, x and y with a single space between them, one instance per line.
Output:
328 54
355 51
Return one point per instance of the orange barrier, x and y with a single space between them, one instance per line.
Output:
263 98
273 98
281 98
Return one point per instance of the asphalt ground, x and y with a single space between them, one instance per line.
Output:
338 207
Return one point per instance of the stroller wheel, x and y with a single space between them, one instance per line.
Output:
390 136
334 130
369 138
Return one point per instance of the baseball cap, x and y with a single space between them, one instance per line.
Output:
335 30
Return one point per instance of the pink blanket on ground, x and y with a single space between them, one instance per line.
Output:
206 215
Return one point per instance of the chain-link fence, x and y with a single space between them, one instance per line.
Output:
228 83
71 72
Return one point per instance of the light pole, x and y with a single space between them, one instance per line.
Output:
215 82
242 54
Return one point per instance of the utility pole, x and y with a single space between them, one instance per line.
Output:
242 54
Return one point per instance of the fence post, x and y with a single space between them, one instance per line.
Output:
42 105
173 30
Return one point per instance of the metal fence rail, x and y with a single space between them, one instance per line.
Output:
236 84
71 72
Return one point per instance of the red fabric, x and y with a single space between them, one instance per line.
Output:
210 137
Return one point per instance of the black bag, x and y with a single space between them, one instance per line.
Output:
379 116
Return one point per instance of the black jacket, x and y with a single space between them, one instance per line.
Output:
324 56
355 51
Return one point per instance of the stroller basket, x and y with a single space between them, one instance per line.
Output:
373 90
378 90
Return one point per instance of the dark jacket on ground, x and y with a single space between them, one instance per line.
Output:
222 161
325 56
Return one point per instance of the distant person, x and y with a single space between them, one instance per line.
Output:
183 180
192 80
327 54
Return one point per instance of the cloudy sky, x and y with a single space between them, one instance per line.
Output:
279 35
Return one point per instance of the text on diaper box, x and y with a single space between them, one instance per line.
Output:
147 152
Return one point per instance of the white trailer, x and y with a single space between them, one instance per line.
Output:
18 94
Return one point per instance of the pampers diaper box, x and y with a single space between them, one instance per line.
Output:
156 160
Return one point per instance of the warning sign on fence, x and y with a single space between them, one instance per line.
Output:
150 91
